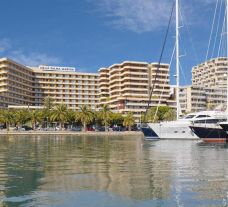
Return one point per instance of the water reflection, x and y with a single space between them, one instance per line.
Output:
102 171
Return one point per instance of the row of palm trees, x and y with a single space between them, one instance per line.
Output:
61 114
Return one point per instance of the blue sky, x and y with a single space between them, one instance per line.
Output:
89 34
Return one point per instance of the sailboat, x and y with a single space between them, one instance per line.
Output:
180 129
219 133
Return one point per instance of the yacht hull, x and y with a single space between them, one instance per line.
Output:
172 130
210 134
149 134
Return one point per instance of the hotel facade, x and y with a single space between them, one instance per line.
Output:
125 87
28 86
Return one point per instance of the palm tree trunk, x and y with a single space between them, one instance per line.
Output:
84 126
106 127
34 125
129 128
7 126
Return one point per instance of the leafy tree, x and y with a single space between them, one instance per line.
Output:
156 114
170 115
151 116
60 114
129 121
85 116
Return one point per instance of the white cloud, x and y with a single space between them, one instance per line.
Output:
145 15
30 59
137 15
34 58
5 44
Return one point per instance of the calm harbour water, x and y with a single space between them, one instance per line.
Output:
111 172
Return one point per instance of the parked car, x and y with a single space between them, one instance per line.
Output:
26 128
76 129
118 128
100 128
90 129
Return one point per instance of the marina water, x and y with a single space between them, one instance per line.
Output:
111 172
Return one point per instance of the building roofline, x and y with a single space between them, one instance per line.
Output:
131 62
14 62
207 61
36 69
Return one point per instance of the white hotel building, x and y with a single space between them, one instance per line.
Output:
28 86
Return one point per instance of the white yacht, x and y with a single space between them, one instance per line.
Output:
180 129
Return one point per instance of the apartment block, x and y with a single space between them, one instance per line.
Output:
211 74
125 87
28 86
196 98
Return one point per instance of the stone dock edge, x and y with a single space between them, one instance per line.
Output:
132 133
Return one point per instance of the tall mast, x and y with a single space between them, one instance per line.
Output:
177 60
227 57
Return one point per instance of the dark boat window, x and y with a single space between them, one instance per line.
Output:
208 121
202 116
189 117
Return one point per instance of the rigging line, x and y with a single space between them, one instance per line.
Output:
183 74
160 59
212 29
184 21
174 48
222 33
217 30
180 63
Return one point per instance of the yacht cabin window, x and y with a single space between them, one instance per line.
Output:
202 116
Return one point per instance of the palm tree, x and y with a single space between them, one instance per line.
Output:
70 116
48 102
116 119
35 116
85 116
48 106
60 114
7 117
129 121
105 115
22 116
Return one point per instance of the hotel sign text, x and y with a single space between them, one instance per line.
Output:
57 68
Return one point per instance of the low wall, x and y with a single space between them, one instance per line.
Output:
138 133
